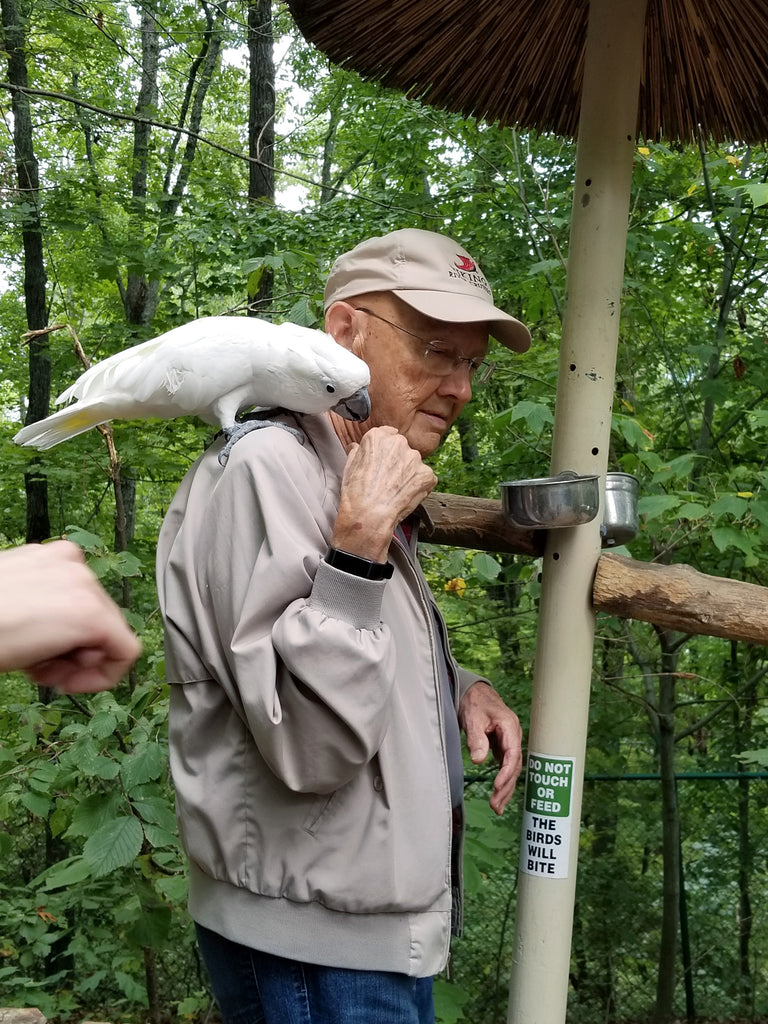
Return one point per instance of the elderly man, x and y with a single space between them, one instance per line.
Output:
315 705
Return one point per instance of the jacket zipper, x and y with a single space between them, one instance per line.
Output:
426 601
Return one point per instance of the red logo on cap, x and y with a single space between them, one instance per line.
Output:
466 264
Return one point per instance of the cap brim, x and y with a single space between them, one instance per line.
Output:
466 309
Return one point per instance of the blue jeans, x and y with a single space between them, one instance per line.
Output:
258 988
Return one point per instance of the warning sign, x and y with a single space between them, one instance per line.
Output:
547 817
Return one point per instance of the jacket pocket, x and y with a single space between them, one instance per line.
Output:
320 809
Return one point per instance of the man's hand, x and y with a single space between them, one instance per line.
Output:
384 480
58 623
490 725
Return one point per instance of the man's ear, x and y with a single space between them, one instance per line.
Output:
340 323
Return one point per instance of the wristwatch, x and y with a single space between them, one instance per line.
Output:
357 566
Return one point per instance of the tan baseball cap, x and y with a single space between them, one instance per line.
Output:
431 273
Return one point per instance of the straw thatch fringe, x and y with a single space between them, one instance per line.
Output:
521 61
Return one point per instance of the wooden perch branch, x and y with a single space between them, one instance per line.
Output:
672 596
678 597
477 523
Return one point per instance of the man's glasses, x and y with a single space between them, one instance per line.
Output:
441 361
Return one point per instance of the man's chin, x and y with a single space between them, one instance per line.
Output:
428 442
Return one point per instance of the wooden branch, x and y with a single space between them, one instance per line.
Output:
477 523
671 596
678 597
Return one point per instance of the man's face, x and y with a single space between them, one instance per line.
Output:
406 390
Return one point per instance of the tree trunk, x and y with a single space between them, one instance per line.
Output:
36 484
746 983
327 191
744 710
261 127
605 825
151 981
125 525
141 292
470 453
665 986
261 109
38 521
732 253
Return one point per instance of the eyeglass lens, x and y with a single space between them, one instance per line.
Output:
443 362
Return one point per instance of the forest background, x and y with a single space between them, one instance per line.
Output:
165 160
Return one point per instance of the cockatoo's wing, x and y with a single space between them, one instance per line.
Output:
105 377
213 368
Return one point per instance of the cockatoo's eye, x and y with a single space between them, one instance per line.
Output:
330 389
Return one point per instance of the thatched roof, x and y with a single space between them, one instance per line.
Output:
521 61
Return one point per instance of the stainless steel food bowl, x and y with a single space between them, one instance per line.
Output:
551 502
620 523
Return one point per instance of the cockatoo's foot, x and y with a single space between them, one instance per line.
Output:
234 433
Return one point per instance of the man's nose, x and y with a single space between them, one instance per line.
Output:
457 383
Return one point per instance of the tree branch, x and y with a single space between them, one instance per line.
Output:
164 126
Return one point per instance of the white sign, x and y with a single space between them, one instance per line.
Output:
546 844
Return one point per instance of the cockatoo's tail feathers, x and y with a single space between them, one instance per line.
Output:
61 426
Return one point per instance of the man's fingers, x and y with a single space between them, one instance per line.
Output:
478 746
504 785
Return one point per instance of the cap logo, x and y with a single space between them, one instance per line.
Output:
466 264
465 269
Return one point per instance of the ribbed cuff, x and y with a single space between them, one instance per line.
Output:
340 595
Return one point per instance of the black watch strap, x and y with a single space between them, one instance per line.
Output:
358 566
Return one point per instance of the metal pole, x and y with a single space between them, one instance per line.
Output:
560 701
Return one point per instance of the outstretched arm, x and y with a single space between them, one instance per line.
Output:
491 726
57 622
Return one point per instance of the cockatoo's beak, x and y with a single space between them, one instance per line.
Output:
357 407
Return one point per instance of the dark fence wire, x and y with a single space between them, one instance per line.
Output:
619 904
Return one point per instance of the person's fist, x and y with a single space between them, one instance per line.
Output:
58 623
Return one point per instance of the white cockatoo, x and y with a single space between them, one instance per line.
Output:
215 368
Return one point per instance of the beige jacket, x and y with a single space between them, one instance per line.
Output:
307 743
